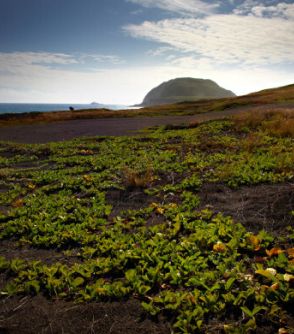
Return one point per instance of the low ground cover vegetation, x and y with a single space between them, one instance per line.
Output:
129 218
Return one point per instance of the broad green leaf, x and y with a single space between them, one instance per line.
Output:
78 281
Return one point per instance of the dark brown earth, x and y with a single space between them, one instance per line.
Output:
60 131
265 206
12 250
34 315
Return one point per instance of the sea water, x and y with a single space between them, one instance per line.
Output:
16 108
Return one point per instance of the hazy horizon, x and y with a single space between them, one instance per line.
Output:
115 51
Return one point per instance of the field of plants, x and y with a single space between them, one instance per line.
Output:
146 218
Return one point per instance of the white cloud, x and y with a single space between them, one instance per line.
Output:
8 61
262 9
99 58
160 51
224 38
179 6
246 6
16 62
190 62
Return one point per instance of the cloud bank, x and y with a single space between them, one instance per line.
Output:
225 39
262 9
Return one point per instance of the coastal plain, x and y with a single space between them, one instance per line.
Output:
176 219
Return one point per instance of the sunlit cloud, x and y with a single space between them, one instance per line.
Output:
16 61
112 59
162 50
179 6
224 38
10 59
262 9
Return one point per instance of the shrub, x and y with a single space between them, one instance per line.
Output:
136 179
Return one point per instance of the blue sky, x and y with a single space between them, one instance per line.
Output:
114 51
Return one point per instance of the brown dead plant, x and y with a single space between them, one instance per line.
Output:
281 127
252 142
277 122
137 179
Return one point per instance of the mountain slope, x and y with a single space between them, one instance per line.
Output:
185 89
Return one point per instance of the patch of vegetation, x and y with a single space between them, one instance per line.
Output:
131 213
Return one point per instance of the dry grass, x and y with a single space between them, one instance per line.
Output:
251 142
193 124
211 145
275 122
135 179
281 127
250 120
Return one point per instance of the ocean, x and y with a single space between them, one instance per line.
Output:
16 108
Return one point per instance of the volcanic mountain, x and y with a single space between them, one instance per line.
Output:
185 89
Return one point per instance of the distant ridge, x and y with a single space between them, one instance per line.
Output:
185 89
107 106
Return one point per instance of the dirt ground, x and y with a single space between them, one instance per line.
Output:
32 315
60 131
265 206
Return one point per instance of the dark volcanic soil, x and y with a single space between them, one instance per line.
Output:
59 131
34 315
265 206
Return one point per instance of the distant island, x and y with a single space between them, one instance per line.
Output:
185 89
107 106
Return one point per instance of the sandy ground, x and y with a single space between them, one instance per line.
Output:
59 131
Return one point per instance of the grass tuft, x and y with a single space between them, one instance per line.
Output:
135 179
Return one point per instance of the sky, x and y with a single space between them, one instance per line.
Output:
115 51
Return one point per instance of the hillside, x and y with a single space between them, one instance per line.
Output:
185 89
282 96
